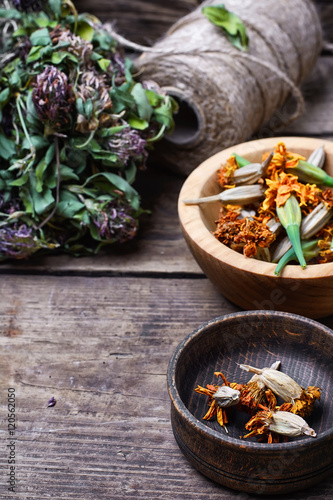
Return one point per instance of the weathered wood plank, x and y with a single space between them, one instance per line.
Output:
101 347
317 118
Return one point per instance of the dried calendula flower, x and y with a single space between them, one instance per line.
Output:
220 397
268 423
246 175
243 234
286 388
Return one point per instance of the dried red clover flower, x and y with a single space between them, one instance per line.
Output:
128 144
53 98
115 222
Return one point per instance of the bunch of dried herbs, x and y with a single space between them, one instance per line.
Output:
258 397
279 210
75 126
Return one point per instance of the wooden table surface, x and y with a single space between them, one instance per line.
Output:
97 334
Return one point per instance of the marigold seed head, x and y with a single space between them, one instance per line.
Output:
226 396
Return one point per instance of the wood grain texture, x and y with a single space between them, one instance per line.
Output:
101 347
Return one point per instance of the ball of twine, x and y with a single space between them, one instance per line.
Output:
226 95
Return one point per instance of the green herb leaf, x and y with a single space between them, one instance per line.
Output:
118 183
40 37
7 147
137 123
104 63
231 25
144 108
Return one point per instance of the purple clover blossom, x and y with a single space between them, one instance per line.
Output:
26 5
53 98
128 144
19 242
51 402
116 222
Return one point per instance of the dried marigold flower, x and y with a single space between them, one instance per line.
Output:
268 423
224 173
286 388
219 398
280 159
281 187
246 175
243 234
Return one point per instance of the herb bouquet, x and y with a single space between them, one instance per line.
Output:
74 128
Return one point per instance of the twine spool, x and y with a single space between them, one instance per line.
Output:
226 95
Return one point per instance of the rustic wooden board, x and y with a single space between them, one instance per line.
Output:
317 118
101 347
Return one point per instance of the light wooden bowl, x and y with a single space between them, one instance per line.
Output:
259 338
247 282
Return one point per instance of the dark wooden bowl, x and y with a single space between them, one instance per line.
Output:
305 349
251 283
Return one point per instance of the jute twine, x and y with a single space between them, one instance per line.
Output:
226 95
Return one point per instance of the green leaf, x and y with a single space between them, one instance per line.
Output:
42 166
10 14
55 7
68 205
85 31
21 180
40 169
7 147
154 98
103 40
79 106
163 114
231 25
34 54
88 108
41 201
38 141
104 63
40 37
107 132
137 123
130 172
60 55
121 100
31 116
67 173
4 96
144 108
118 183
